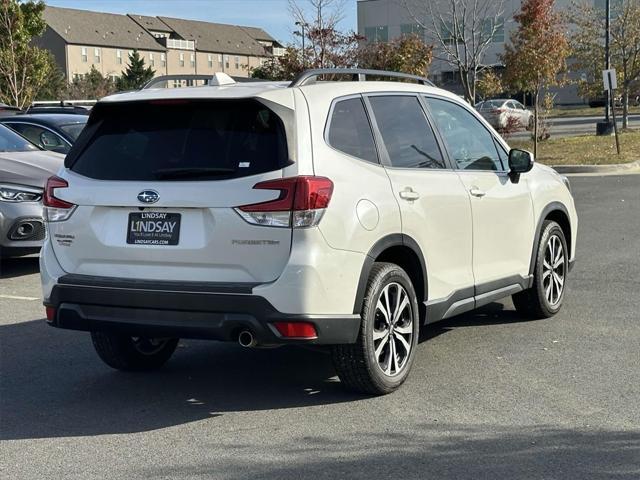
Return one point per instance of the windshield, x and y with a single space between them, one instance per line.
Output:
73 129
160 140
12 142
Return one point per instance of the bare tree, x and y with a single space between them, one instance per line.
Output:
323 45
462 31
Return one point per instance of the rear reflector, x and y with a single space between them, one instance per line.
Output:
296 329
51 313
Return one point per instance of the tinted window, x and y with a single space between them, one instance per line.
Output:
350 132
406 133
469 144
73 129
186 140
12 142
40 136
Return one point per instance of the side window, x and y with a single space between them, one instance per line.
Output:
41 137
470 145
407 135
350 131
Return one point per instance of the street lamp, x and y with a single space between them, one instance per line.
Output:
302 26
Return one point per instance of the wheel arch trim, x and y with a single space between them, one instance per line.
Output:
386 242
546 211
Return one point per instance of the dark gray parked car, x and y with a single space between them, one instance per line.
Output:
50 131
24 170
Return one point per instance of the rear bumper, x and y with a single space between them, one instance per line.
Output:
184 310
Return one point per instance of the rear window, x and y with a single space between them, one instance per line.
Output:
184 140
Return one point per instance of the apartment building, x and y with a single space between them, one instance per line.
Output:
384 20
80 39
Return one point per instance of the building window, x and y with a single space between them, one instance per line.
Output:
237 63
495 26
226 61
210 60
447 32
84 54
152 61
163 59
193 60
412 29
119 57
219 60
182 59
377 34
96 55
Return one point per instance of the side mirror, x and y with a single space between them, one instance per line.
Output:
520 161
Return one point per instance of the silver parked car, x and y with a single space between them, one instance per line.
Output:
498 111
24 170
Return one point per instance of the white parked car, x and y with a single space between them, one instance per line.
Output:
497 112
349 214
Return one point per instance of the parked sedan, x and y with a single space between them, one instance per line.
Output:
55 132
24 169
497 112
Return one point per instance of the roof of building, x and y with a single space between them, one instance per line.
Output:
216 37
150 23
258 33
82 27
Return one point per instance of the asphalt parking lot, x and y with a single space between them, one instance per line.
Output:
490 397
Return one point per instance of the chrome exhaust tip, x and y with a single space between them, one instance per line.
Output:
246 339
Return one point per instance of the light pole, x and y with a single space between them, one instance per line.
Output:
302 26
607 59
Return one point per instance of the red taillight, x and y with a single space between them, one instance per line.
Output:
296 329
301 203
49 199
51 313
296 193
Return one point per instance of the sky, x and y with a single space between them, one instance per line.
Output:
271 15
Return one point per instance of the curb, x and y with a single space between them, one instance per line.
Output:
631 167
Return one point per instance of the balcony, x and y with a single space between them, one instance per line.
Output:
177 44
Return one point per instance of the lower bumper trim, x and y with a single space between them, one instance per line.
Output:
156 313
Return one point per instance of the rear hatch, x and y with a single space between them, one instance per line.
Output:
156 183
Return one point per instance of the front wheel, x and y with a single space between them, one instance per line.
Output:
380 360
530 123
544 298
123 352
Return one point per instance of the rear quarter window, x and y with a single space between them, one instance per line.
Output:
206 139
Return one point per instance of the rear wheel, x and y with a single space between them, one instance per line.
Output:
123 352
544 298
380 360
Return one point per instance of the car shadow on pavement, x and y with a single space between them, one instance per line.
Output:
492 314
434 451
19 266
53 384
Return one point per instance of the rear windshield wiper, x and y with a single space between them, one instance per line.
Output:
165 173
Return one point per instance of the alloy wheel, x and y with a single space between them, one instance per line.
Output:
393 329
553 270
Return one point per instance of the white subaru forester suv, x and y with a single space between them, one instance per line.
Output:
341 213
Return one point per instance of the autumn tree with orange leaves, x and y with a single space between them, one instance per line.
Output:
537 54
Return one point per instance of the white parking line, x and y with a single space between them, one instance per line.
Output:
17 297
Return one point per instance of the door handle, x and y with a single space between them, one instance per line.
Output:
476 192
409 194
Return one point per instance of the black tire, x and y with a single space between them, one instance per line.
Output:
127 353
534 302
357 364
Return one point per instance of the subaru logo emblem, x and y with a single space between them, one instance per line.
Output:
148 196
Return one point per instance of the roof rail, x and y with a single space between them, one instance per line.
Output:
357 74
190 77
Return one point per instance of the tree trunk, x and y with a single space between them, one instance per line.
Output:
625 107
536 96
